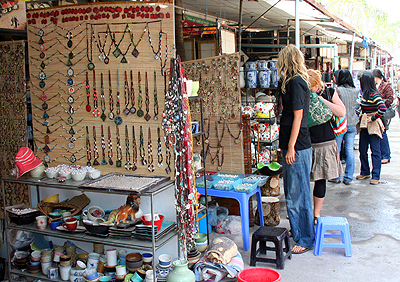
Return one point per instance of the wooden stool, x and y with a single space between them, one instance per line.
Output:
275 235
270 207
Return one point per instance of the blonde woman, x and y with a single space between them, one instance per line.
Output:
295 142
325 157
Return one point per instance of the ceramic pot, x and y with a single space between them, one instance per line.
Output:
181 272
250 66
264 78
251 79
273 74
262 65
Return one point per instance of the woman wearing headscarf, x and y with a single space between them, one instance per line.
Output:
295 142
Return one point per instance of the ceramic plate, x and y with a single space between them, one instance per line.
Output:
79 229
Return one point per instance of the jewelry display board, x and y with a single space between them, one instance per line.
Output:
219 89
12 115
99 73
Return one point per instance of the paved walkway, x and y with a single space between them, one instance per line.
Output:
374 216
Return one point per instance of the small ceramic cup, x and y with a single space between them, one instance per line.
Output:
70 224
57 257
147 258
120 270
41 221
80 265
111 255
65 272
164 260
54 225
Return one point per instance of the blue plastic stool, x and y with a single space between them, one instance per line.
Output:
332 223
243 199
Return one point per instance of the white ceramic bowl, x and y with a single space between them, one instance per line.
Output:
93 174
67 175
51 174
79 176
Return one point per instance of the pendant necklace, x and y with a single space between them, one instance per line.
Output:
99 46
237 140
73 159
88 149
102 99
46 135
95 149
126 111
69 63
41 32
47 124
150 166
43 97
72 131
90 65
46 116
159 149
123 60
135 51
134 154
46 139
132 109
223 132
156 54
71 91
70 74
140 112
111 114
71 140
107 56
147 117
128 165
42 63
41 49
88 108
42 76
69 34
118 119
110 148
70 111
208 152
117 51
46 108
118 149
69 45
96 111
141 147
46 149
103 146
167 154
71 55
155 97
219 167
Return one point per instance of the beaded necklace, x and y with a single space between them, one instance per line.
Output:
41 32
42 64
96 111
158 52
117 51
119 149
71 130
71 140
47 124
135 51
46 116
141 147
71 55
41 49
140 112
237 140
102 99
95 149
155 97
118 119
46 139
134 154
217 133
71 73
99 46
73 159
88 108
123 60
88 149
103 147
68 45
90 65
132 109
128 165
147 117
70 111
167 154
46 149
69 34
126 111
110 148
150 166
159 149
111 114
43 97
69 63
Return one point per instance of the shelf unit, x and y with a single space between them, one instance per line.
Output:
131 243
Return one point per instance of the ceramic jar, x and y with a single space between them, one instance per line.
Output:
181 272
264 78
251 79
262 65
250 66
273 74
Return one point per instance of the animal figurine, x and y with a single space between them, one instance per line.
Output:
130 209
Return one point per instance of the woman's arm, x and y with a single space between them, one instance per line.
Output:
290 155
336 105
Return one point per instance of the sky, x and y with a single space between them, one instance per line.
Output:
392 7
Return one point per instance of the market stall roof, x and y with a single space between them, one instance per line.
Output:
312 15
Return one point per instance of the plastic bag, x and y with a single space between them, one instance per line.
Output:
19 239
216 213
231 225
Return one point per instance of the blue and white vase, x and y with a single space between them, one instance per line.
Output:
251 79
274 74
250 66
264 78
262 65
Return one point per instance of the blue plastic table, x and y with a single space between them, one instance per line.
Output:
243 199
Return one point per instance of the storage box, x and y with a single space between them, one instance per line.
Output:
224 184
244 187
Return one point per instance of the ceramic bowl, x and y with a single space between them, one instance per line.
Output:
158 223
201 246
35 256
67 175
51 199
51 174
96 229
134 265
164 260
93 174
78 175
94 212
132 257
200 237
33 268
73 278
21 256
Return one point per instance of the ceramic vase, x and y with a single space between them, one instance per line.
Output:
251 79
181 273
250 66
274 74
262 65
264 78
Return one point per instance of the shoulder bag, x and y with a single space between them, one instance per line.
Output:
339 124
318 111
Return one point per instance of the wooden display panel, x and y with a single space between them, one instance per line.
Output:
219 88
90 28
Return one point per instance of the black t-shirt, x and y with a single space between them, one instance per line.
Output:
323 132
297 97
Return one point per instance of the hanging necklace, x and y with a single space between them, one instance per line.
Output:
126 111
42 76
117 51
95 149
134 154
164 63
159 149
46 135
110 148
107 56
71 55
43 91
96 111
132 109
70 111
47 124
71 140
46 116
69 34
158 52
102 99
128 165
46 108
217 133
167 154
71 91
208 152
119 149
103 147
46 139
237 140
46 149
99 46
42 65
69 63
88 149
41 49
41 32
73 159
141 147
140 112
118 119
68 44
147 117
88 108
155 97
71 73
72 131
90 65
150 166
135 51
111 114
123 60
219 167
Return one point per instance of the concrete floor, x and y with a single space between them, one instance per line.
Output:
373 212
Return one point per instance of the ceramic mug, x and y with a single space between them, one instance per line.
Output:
70 224
93 260
65 272
45 267
52 272
111 255
54 225
120 270
164 260
147 258
41 221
